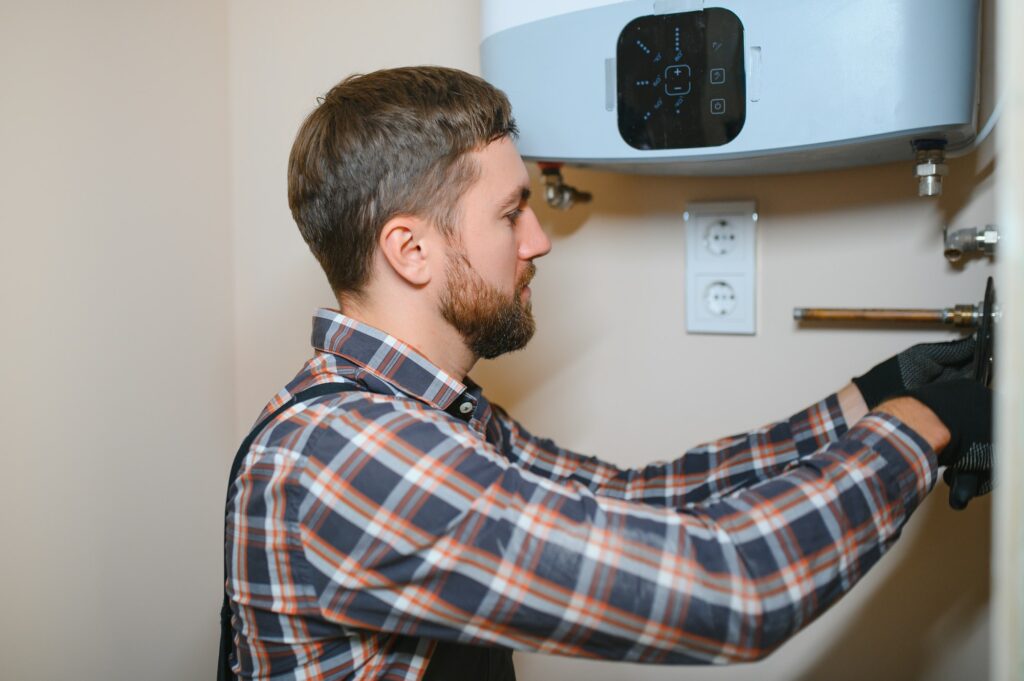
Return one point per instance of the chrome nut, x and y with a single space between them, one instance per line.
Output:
931 168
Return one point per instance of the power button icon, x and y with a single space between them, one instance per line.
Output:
717 107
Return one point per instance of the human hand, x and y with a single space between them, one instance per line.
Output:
965 408
915 367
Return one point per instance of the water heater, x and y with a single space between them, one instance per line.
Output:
734 86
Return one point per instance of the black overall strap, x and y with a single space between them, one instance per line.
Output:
450 661
460 662
224 672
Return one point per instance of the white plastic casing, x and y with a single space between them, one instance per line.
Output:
830 83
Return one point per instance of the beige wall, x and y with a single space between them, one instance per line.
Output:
115 291
1008 508
155 292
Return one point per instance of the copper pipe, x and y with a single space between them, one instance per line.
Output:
959 315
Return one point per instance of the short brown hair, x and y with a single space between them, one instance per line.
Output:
382 144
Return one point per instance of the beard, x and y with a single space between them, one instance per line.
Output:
490 322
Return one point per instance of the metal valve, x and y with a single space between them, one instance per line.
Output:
930 166
963 242
557 193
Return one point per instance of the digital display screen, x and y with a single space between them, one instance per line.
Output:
681 81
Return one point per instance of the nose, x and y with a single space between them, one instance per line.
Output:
533 242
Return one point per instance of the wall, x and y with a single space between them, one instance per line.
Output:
115 293
611 339
1008 528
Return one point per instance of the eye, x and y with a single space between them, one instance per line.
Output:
513 217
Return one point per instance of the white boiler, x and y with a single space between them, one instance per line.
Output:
734 86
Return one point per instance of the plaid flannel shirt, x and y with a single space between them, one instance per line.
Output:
365 526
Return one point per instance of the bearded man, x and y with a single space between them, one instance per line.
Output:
385 521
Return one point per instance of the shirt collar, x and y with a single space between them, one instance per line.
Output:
388 357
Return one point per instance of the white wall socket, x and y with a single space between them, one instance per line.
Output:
721 267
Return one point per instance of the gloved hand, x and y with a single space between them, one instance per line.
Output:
916 367
965 407
965 485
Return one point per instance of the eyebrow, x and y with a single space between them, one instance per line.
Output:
520 195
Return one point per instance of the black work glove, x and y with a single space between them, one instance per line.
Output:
915 367
965 407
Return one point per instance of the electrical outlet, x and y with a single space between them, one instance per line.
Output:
720 237
721 273
719 298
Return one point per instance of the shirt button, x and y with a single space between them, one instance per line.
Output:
466 407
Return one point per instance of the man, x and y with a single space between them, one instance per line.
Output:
406 528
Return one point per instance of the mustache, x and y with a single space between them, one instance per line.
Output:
527 276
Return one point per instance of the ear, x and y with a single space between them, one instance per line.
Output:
406 245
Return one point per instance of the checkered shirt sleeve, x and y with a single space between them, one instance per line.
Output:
706 472
401 519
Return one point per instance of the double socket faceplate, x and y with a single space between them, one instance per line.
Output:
721 267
